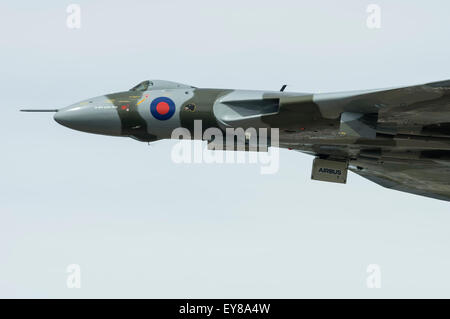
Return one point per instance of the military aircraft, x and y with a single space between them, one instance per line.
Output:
397 137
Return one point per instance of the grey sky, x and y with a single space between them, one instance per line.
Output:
142 226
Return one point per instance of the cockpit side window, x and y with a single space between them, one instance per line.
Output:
143 86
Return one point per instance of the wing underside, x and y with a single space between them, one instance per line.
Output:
410 147
430 179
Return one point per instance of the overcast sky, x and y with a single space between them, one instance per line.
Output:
140 225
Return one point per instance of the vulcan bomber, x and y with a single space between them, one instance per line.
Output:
398 137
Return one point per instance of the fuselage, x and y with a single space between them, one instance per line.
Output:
152 110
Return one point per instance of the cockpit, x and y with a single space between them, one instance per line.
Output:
143 86
159 85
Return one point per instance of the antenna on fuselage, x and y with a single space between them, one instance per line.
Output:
283 87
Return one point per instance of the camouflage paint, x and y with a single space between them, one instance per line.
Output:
408 149
132 123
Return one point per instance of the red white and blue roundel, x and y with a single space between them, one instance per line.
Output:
162 108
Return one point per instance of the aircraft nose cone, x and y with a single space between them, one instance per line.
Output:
62 117
72 117
87 118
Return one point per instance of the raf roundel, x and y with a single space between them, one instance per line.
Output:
162 108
